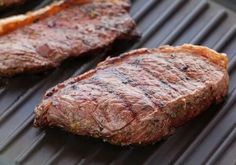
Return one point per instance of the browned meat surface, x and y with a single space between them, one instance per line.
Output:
140 97
81 28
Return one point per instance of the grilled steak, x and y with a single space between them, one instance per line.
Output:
82 27
140 97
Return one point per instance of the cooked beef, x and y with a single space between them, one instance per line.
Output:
81 28
140 97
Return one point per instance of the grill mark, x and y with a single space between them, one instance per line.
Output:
109 89
188 78
182 71
146 92
163 82
172 66
127 80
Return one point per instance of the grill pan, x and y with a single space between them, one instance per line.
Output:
208 139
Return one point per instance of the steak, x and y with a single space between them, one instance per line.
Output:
69 29
140 97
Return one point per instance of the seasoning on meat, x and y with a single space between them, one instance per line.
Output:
140 97
78 29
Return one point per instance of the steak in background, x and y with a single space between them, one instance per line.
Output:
82 27
140 97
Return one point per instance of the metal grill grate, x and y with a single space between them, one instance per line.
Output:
208 139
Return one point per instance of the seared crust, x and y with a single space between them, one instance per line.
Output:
138 98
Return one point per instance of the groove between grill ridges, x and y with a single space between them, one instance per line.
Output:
223 146
199 10
20 100
137 17
22 156
210 126
82 158
122 158
56 155
232 64
90 157
4 143
177 5
226 38
217 19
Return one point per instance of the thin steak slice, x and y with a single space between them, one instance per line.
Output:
140 97
66 29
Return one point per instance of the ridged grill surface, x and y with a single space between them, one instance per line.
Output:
208 139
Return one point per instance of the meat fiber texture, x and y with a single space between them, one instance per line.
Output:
140 97
43 39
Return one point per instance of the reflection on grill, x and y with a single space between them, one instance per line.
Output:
161 22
